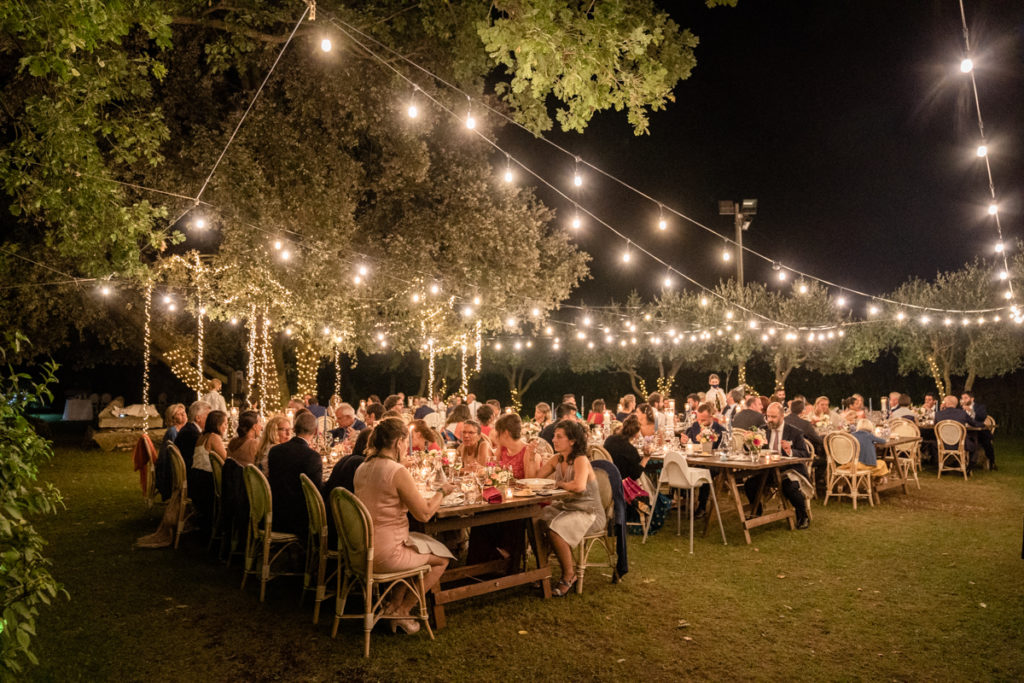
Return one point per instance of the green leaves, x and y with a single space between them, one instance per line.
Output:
25 579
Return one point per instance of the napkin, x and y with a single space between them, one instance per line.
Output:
492 495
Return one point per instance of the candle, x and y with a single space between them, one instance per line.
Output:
508 493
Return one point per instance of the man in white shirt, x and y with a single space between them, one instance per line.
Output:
473 404
715 395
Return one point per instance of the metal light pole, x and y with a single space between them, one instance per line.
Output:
741 211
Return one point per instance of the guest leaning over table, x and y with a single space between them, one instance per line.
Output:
567 520
389 493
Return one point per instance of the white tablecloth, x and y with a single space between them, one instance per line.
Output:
76 409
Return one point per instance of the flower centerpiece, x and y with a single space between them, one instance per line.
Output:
706 437
821 422
530 430
754 440
497 476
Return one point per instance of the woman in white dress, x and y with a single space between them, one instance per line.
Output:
213 397
570 518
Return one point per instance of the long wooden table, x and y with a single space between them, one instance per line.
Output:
508 574
727 470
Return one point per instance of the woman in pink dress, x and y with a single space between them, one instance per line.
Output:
388 491
513 452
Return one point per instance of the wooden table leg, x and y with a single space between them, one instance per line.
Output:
439 619
536 534
782 499
730 479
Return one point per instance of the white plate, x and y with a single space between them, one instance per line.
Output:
537 483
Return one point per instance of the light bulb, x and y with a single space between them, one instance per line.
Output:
434 289
167 299
555 346
467 311
581 335
577 180
508 175
535 312
548 330
586 320
470 122
703 301
383 344
497 346
288 331
413 111
803 289
199 222
202 310
327 330
872 310
1003 275
277 245
782 276
647 316
363 270
105 291
357 279
234 321
947 322
999 247
993 209
726 255
576 222
925 320
966 65
662 224
285 255
771 331
626 256
841 301
667 282
965 322
171 307
529 344
415 298
325 45
517 346
1007 295
728 315
511 322
982 150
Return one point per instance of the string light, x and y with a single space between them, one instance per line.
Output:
337 370
1003 275
199 223
982 150
662 223
325 45
105 290
625 254
146 339
478 345
413 111
508 169
470 121
999 247
576 222
993 209
726 254
966 65
286 255
250 368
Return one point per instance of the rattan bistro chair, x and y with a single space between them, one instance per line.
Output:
586 545
596 452
950 436
317 552
908 455
261 539
355 546
179 485
217 469
842 452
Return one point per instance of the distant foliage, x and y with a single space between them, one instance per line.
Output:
25 579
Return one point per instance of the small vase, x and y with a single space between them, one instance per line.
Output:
706 446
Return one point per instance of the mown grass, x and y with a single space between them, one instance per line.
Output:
928 586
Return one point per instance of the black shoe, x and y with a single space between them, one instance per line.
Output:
700 512
993 468
803 523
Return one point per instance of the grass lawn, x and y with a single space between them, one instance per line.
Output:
928 586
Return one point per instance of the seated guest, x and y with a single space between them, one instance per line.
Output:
495 405
513 452
627 404
313 406
189 434
902 409
422 408
568 519
571 398
374 412
475 450
821 408
704 420
296 404
929 407
596 415
244 447
977 412
453 423
648 420
485 416
788 440
422 437
565 411
865 435
348 424
950 411
624 454
175 417
542 415
278 430
892 401
392 402
796 410
750 417
390 495
200 487
285 463
857 406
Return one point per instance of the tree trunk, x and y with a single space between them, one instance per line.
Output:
781 375
424 376
529 383
969 382
283 393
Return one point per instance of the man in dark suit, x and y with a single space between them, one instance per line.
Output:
285 462
565 411
422 409
705 418
978 412
348 423
750 417
189 434
796 409
789 441
950 411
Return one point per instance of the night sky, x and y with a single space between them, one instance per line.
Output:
849 122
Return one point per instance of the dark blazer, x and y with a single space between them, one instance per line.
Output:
619 520
186 442
747 419
422 412
548 433
960 415
625 456
797 445
342 433
809 432
285 462
694 430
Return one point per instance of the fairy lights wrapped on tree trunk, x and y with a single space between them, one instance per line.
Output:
146 333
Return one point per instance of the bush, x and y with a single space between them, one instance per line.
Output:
25 579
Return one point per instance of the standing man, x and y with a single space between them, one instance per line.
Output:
788 440
473 404
715 395
978 413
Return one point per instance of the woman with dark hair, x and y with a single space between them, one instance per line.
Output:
485 416
459 414
514 453
571 518
648 422
243 448
210 441
596 416
389 493
624 454
475 450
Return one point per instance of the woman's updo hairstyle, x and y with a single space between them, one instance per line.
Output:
385 435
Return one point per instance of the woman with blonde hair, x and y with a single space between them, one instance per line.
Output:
213 397
278 430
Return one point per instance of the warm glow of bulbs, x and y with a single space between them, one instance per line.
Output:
326 45
993 209
508 175
199 222
285 255
467 311
415 298
782 276
576 222
586 320
105 291
511 322
626 256
703 301
728 315
982 150
668 281
966 65
841 301
803 288
999 247
577 180
413 111
470 122
662 224
277 245
872 310
434 289
726 254
548 330
1003 275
